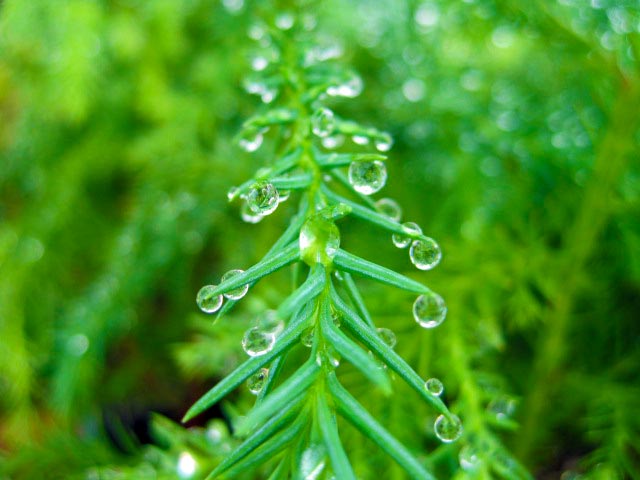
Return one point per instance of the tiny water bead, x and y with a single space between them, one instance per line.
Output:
263 199
403 241
383 142
322 122
429 310
307 337
319 240
367 177
389 208
448 429
232 193
434 387
250 139
425 253
469 458
502 407
360 139
247 214
257 342
207 300
239 292
387 336
257 381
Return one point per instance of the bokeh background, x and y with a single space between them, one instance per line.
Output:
516 128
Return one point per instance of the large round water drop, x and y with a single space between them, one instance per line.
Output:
319 240
389 208
239 292
429 310
322 122
207 300
425 253
257 381
367 177
434 387
257 342
448 429
263 199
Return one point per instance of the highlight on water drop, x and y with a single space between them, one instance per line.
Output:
425 253
322 122
387 336
389 208
429 310
434 386
239 292
257 381
263 198
257 342
403 241
208 301
367 177
448 429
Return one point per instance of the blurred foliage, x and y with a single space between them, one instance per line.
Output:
516 129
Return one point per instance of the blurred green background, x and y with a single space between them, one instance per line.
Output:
516 128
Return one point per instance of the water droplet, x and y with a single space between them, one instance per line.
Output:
319 240
263 198
403 241
257 342
332 141
247 215
336 317
285 21
312 462
387 336
270 323
216 431
207 301
448 429
379 363
307 337
239 292
257 381
187 465
502 407
383 142
250 139
350 89
389 208
367 177
322 122
425 253
469 458
360 139
283 195
434 387
259 63
232 193
429 310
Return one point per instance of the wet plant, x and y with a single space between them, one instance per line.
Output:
295 415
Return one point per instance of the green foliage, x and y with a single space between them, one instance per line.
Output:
516 138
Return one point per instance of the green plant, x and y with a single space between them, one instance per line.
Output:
297 414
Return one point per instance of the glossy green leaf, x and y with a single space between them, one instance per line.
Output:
350 263
292 182
260 436
355 414
285 340
267 450
356 299
352 352
309 290
329 430
271 263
